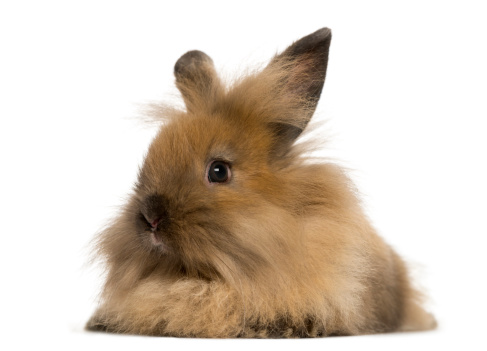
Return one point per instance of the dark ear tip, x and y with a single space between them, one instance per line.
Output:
319 40
324 34
191 60
322 37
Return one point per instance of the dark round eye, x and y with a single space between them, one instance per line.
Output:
218 172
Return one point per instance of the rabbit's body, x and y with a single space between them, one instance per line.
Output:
230 232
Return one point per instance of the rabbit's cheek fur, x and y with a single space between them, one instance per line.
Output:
281 249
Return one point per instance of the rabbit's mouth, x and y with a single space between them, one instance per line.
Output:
157 241
154 232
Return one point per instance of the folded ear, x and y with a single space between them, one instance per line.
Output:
196 79
304 66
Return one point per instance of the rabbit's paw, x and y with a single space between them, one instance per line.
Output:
99 324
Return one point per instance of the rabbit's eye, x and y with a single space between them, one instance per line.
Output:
218 172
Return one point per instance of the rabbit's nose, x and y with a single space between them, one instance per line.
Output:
154 223
154 210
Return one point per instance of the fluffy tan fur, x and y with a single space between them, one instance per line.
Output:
283 249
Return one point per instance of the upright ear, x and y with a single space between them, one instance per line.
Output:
304 65
197 80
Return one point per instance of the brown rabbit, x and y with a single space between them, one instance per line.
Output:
232 232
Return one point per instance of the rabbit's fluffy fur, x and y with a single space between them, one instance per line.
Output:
281 248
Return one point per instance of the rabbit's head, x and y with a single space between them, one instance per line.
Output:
220 190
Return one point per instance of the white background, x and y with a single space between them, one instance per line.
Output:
405 101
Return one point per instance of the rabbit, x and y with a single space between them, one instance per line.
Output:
231 231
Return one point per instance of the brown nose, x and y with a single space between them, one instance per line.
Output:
154 209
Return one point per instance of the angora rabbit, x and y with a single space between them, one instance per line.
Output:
232 232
